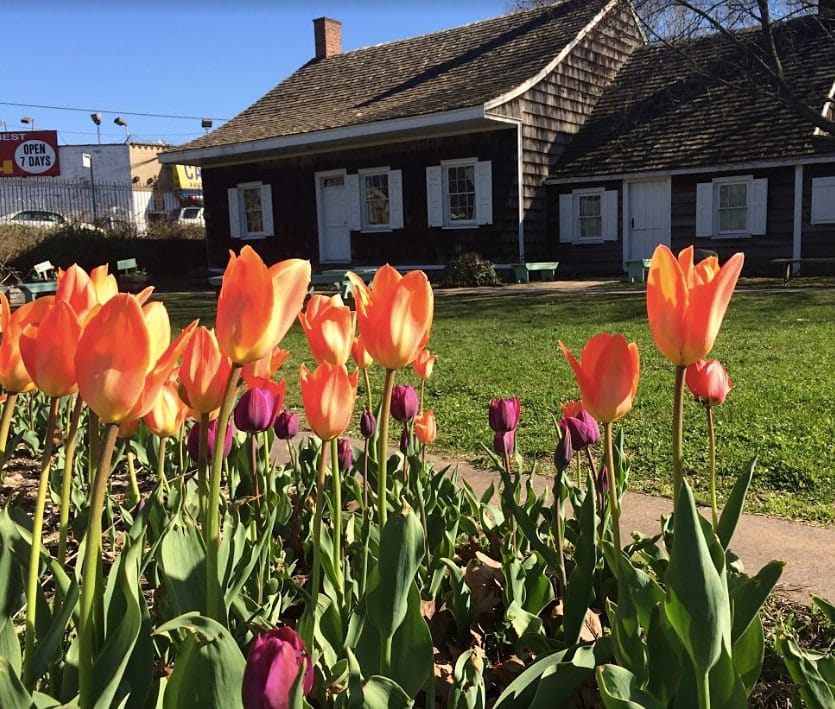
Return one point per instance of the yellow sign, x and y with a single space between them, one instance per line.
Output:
189 177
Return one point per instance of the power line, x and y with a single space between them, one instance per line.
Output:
102 110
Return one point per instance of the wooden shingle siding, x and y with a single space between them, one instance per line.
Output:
554 110
294 202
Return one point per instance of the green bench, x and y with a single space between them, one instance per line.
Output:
636 271
336 280
43 283
522 271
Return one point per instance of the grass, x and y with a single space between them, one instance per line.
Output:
776 346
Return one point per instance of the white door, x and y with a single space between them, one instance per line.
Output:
335 238
647 219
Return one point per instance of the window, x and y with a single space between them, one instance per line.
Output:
589 216
250 211
460 193
731 207
823 200
375 199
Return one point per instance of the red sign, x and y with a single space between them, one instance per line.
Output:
29 153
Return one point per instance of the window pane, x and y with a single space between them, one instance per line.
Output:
589 205
376 191
461 192
733 206
733 195
254 211
733 220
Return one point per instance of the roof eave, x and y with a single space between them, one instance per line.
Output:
458 120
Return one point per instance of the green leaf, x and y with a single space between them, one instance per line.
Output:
580 591
732 512
665 657
697 596
10 645
620 690
748 654
48 645
182 560
13 694
747 598
826 608
468 690
522 622
383 693
401 551
208 667
802 665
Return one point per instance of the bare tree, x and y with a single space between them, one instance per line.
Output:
761 33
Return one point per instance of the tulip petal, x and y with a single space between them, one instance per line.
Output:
48 350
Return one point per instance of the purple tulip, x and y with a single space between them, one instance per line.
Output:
503 414
344 454
504 442
564 452
272 667
583 429
255 410
404 402
193 440
286 425
368 424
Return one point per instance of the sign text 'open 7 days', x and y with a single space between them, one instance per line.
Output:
31 153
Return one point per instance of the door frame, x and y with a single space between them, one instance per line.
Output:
320 211
627 211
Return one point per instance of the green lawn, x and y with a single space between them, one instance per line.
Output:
777 347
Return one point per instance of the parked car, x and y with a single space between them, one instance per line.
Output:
42 219
189 215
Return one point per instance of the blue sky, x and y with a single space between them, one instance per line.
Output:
199 58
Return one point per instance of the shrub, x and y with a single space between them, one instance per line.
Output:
470 270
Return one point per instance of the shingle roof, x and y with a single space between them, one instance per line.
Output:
455 68
691 105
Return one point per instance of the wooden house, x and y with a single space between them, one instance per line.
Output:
415 151
690 144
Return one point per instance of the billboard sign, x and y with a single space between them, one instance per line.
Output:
31 153
189 177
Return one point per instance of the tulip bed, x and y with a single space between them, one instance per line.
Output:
356 576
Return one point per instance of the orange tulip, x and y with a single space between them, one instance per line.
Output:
708 381
607 374
265 367
48 349
394 315
119 371
686 303
104 283
328 325
168 412
328 394
360 355
13 373
426 428
424 364
257 305
204 372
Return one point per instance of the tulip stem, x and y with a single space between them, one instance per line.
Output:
35 548
614 503
134 484
94 445
66 482
203 465
382 462
253 450
317 535
559 512
368 389
336 483
161 477
678 431
90 573
212 530
712 440
5 424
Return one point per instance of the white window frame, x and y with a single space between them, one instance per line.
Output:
569 204
358 206
707 207
237 213
823 200
438 197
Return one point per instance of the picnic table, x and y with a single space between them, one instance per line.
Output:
789 263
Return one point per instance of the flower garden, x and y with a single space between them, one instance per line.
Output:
357 575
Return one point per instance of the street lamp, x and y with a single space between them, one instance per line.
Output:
30 121
96 118
87 161
119 121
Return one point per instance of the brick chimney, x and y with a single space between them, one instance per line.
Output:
328 36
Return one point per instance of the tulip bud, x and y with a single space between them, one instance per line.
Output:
404 402
286 425
255 410
504 442
602 482
344 454
564 452
193 440
503 414
272 667
368 424
582 428
426 428
708 381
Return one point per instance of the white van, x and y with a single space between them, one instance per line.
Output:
189 215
